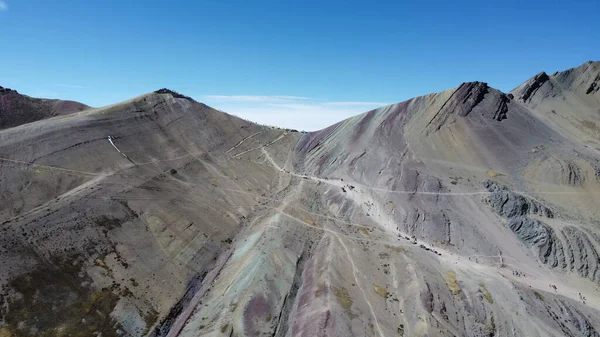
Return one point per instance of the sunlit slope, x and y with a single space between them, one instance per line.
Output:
125 227
469 212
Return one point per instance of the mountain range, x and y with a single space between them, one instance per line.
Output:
468 212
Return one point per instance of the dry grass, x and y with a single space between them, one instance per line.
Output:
493 174
100 263
486 294
590 125
381 291
396 249
6 332
450 278
344 299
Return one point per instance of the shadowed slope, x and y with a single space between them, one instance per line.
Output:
17 109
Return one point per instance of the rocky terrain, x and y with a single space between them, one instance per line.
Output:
17 109
469 212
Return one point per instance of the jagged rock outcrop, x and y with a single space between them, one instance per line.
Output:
581 253
467 96
513 205
571 321
173 93
502 108
569 248
573 175
541 238
462 101
594 87
533 85
536 234
470 98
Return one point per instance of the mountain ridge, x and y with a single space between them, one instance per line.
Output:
526 88
464 212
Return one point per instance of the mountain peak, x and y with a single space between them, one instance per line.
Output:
532 85
583 79
172 93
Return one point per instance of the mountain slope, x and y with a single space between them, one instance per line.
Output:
567 100
134 227
477 174
468 212
17 109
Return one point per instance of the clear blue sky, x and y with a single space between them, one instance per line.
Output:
337 57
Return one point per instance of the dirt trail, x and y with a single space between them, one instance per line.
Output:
263 146
243 140
535 277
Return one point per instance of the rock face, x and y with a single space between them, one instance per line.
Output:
534 233
468 212
172 93
473 97
570 248
512 205
17 109
542 238
533 85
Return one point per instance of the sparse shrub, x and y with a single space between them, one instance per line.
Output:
486 294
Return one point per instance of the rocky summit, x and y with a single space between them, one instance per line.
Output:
468 212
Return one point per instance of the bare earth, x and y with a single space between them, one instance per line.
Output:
468 212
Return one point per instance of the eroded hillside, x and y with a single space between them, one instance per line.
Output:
468 212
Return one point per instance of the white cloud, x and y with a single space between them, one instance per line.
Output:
250 98
3 5
44 94
301 113
357 103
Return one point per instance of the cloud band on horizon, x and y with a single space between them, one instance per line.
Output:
297 112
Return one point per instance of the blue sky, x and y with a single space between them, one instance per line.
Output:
302 64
